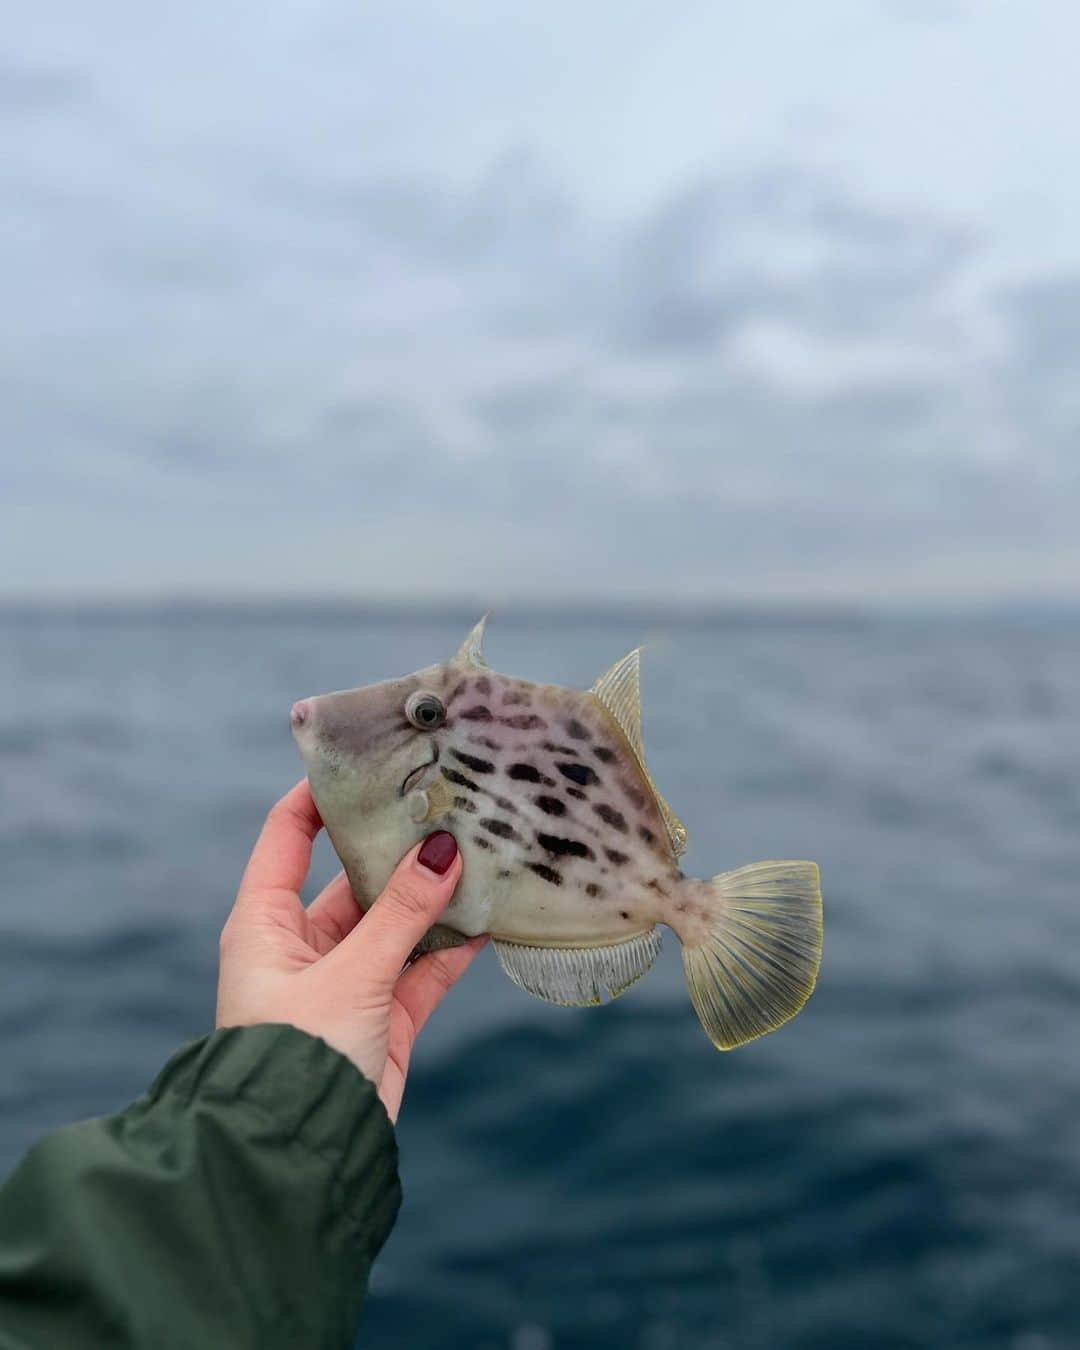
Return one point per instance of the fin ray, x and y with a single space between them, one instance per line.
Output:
471 651
619 691
577 976
759 963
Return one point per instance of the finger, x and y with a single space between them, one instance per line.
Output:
413 898
334 910
430 978
282 853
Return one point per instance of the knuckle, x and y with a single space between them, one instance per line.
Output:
282 812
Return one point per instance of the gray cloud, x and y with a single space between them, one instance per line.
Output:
28 90
296 365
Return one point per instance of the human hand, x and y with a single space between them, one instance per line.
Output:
331 969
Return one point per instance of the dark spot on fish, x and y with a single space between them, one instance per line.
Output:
577 792
525 773
578 773
613 855
577 730
504 872
654 885
452 776
515 698
593 890
479 712
553 749
481 842
635 795
563 847
525 722
682 906
505 804
485 741
551 806
502 828
464 804
547 873
602 752
610 816
623 914
483 685
471 762
646 834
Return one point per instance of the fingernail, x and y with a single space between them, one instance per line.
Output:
438 852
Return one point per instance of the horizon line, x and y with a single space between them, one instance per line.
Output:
458 606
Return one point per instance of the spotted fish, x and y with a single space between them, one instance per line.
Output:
571 854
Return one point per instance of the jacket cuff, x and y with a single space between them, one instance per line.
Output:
311 1094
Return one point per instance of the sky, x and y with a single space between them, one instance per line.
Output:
716 302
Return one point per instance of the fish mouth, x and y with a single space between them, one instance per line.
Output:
414 775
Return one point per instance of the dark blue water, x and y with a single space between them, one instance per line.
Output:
899 1167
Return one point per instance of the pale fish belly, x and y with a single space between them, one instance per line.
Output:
583 909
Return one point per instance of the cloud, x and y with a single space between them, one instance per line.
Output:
30 90
305 370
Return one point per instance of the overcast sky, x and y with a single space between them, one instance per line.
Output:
711 301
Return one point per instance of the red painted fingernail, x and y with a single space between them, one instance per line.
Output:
438 852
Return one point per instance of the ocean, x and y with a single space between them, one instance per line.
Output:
898 1167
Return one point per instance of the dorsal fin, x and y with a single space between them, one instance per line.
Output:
471 651
619 690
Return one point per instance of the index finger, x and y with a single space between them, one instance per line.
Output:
282 854
410 902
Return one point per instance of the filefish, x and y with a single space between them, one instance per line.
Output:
570 852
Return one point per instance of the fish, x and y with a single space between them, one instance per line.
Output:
570 852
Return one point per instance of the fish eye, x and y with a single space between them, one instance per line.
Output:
425 710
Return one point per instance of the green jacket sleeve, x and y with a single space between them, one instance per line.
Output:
239 1203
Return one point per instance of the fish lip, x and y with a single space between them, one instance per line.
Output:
414 775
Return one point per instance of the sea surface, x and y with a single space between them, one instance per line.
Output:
898 1167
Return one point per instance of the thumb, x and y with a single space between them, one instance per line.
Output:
418 891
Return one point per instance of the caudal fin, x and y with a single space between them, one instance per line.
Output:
757 965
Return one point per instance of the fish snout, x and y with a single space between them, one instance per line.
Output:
300 715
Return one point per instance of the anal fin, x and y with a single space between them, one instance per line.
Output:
578 976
